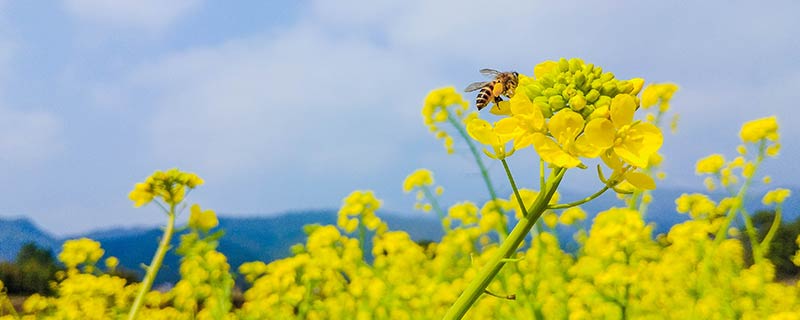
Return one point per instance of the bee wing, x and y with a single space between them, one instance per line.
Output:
490 72
475 86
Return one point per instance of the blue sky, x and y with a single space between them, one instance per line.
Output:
285 105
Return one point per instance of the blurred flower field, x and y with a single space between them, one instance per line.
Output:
498 259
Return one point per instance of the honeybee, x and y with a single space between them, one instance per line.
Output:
504 83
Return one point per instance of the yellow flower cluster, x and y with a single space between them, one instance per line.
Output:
203 220
358 209
443 105
422 181
170 186
572 110
205 277
83 251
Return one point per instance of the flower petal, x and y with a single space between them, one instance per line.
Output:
482 131
643 140
600 133
565 126
551 152
622 108
640 180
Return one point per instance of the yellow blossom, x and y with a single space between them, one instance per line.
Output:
417 179
202 219
634 142
759 129
564 126
483 132
776 196
710 165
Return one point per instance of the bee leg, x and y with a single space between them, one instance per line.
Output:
497 99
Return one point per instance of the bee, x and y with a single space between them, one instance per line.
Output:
504 83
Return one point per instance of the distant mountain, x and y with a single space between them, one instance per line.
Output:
16 232
246 239
269 238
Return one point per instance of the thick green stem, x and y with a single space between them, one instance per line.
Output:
152 270
510 245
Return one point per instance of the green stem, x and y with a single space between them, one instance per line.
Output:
582 201
362 237
475 154
152 270
514 186
739 198
435 204
510 245
772 230
751 233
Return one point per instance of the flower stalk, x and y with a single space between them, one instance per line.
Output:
507 248
155 265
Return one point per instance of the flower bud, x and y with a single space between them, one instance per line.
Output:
577 102
557 103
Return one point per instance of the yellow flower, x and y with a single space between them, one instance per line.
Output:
759 129
202 219
572 215
659 94
710 165
526 120
417 179
170 186
564 126
550 219
483 132
435 111
634 142
778 196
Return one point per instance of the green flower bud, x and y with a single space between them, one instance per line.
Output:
625 86
597 71
592 96
597 84
575 65
587 68
606 77
569 92
609 89
559 87
577 102
603 101
563 65
557 103
587 111
545 107
550 92
534 90
579 78
547 81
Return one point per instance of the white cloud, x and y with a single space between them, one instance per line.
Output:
146 14
27 136
298 98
